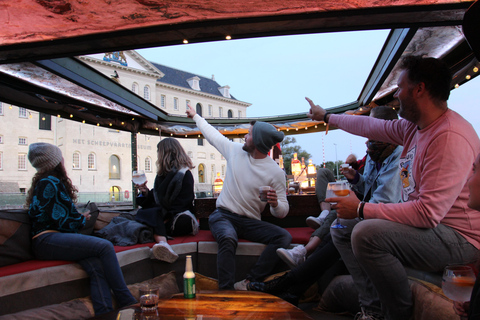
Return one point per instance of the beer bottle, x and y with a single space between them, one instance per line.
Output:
189 280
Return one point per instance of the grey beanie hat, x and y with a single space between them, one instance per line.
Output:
44 156
265 136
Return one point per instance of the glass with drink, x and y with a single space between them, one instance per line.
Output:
149 299
457 282
264 193
338 189
138 177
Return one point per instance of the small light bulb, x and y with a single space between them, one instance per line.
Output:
456 86
228 37
71 115
185 41
475 69
468 77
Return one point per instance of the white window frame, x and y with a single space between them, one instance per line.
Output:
76 162
186 104
92 161
22 112
210 110
146 93
22 161
1 139
135 88
163 100
22 141
1 160
175 103
220 112
1 108
239 113
148 164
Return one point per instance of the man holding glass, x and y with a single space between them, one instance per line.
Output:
238 207
433 227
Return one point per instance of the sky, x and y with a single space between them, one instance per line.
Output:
275 74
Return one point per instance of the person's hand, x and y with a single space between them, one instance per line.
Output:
142 187
316 112
190 112
349 173
272 198
346 207
85 212
461 308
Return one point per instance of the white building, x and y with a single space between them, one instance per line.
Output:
98 159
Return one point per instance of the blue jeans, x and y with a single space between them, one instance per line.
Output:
96 256
377 251
228 227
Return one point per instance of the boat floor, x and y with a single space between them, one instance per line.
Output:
320 315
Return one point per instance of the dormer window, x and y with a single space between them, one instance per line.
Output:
194 83
225 91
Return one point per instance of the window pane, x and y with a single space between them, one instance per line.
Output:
91 161
114 168
76 160
22 162
45 121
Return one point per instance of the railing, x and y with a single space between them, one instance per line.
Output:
17 200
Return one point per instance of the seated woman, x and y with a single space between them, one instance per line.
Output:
55 226
167 208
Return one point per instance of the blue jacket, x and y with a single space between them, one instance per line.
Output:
385 183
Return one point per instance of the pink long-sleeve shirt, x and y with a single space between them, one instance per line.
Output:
435 165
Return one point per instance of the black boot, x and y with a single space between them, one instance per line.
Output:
275 286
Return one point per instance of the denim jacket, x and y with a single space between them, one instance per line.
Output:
385 184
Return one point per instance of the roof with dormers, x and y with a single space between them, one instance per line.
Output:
179 78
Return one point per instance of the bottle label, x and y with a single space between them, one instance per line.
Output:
189 288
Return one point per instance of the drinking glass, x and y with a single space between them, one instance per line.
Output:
149 299
457 282
138 177
338 189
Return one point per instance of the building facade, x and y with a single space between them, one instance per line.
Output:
98 159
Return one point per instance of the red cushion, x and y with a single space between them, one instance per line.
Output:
30 265
299 235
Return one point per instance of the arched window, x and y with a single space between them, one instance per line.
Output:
201 173
135 87
148 164
146 92
115 194
76 160
199 109
91 161
230 113
114 167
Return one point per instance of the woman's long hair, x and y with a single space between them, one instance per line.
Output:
58 172
170 154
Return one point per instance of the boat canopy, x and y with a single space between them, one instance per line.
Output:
41 39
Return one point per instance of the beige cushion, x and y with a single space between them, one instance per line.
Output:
167 284
429 301
77 309
205 283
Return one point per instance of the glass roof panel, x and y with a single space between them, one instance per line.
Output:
274 74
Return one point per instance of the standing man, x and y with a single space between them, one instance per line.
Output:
434 226
239 206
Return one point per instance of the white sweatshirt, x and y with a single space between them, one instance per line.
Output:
244 176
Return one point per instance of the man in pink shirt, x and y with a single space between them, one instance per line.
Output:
433 227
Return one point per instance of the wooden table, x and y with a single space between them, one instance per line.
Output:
217 304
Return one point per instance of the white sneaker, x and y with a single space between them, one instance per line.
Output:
293 257
163 252
241 285
316 222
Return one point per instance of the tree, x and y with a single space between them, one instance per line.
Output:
288 149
